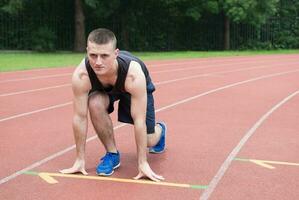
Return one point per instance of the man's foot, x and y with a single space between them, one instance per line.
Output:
108 163
160 146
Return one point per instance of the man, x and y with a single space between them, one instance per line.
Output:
105 76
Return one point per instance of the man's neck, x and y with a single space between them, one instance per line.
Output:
111 77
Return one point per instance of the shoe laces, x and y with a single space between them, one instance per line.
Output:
107 158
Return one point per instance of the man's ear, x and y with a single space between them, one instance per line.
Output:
116 52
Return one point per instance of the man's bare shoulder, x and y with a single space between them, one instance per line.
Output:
134 71
135 77
80 78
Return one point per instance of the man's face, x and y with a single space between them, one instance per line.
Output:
101 57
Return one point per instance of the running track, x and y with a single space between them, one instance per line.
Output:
232 131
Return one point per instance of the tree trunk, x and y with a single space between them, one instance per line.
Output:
124 31
226 33
79 43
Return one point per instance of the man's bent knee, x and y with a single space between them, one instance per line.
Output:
98 101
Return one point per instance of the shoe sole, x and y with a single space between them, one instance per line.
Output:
158 152
103 174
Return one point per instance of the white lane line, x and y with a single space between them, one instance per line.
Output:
53 156
65 85
199 67
216 60
210 74
36 77
225 87
35 111
214 182
68 74
148 63
41 68
178 61
34 90
152 72
162 82
158 83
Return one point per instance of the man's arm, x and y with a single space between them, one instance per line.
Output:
80 87
136 86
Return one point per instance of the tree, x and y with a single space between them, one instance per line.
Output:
11 6
101 8
79 43
253 12
286 25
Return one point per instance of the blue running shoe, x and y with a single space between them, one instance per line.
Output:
160 146
108 163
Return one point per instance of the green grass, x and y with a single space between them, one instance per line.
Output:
20 61
11 61
206 54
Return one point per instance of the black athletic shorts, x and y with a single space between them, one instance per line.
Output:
124 109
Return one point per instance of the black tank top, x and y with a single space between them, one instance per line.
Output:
124 59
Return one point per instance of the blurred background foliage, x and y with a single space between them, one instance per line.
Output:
150 25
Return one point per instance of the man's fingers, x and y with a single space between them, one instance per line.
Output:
139 176
84 172
153 178
158 177
72 171
68 171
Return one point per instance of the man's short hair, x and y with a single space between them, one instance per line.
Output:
102 36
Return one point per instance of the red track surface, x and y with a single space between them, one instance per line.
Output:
220 112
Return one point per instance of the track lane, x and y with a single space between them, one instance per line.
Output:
24 102
172 117
208 153
152 65
274 142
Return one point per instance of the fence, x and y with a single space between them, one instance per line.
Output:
46 30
